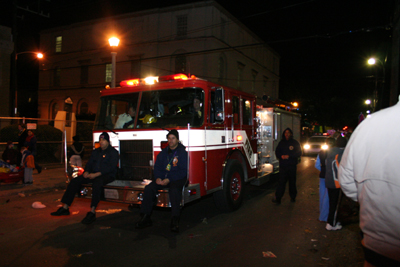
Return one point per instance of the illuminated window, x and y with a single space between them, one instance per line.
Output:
58 44
181 26
108 73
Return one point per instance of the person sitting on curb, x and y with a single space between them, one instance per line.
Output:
100 170
170 171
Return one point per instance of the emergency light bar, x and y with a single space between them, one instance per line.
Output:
153 80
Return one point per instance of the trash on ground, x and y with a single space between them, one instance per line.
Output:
313 193
80 255
326 259
205 221
75 212
105 227
314 240
110 211
268 254
308 231
21 194
38 205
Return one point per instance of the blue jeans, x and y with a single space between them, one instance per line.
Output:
323 201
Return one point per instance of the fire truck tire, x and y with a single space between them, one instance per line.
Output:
231 196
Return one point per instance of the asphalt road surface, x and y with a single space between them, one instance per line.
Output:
291 232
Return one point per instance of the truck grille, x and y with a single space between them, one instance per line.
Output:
135 156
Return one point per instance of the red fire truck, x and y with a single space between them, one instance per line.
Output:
230 141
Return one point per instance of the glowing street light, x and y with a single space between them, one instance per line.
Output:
368 101
114 42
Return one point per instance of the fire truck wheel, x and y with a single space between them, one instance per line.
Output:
231 196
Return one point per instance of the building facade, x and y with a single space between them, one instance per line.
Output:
6 49
202 39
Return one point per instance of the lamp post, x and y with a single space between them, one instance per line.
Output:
39 56
114 41
373 61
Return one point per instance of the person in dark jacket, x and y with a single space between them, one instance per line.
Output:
100 170
333 157
30 144
10 155
170 171
22 135
76 151
288 152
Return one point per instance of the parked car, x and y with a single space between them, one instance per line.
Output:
315 143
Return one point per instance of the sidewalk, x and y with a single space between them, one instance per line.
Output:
52 177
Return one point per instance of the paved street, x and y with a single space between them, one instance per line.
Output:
31 237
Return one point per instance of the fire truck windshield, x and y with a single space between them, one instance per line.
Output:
157 109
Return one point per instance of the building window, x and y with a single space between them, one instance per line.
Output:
221 69
56 76
275 65
108 72
223 29
53 110
240 75
253 81
58 44
84 74
181 26
83 108
135 69
180 64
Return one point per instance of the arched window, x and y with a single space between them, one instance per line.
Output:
83 108
53 110
180 64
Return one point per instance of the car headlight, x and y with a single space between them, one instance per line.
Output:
325 147
306 146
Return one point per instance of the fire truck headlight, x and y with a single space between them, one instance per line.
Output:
325 147
306 146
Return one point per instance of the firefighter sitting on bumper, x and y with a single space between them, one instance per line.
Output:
100 170
170 171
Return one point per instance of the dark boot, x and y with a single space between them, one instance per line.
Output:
144 221
175 224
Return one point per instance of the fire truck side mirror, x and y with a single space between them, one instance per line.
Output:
219 105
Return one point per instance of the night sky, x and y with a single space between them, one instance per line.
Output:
323 44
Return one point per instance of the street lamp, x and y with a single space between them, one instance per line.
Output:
373 61
114 41
39 56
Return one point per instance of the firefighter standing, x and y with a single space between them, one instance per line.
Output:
288 153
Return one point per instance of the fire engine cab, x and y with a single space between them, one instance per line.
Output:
229 139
